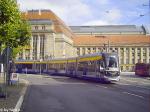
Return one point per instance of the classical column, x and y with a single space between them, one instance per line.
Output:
136 55
141 54
63 49
31 48
91 50
119 54
38 47
147 55
53 51
81 51
86 50
130 56
124 55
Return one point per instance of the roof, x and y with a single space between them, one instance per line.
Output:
59 25
113 39
40 22
107 29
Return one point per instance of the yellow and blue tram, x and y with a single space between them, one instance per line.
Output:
98 66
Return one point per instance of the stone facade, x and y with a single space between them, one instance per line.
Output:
131 43
51 38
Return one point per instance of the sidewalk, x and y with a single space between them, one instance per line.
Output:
127 73
13 101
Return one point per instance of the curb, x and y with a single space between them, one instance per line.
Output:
20 101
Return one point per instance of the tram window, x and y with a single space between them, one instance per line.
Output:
62 66
91 66
112 62
102 64
82 65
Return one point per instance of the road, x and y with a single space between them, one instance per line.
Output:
63 94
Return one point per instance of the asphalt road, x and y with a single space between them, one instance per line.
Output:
62 94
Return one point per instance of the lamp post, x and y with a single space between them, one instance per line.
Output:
40 65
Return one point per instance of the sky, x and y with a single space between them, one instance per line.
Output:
94 12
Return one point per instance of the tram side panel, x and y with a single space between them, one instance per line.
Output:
71 68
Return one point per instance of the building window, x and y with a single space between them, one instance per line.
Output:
83 51
116 50
27 54
94 50
36 27
133 61
20 55
139 61
43 27
111 49
121 61
144 50
88 50
133 54
138 50
78 51
144 60
127 61
99 49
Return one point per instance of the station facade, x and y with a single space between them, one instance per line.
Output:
132 43
51 38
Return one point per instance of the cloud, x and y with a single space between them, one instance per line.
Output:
71 11
80 12
102 2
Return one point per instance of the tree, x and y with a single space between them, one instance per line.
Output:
14 31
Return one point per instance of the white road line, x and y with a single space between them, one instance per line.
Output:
101 86
133 94
122 83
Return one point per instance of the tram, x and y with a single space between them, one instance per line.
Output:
98 66
142 69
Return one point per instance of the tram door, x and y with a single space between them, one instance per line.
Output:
101 68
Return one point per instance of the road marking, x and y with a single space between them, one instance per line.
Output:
101 86
122 83
133 94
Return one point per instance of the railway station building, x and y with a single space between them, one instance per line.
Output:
132 43
52 38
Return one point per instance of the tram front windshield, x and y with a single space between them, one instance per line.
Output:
112 62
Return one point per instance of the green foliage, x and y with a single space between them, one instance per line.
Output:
14 32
